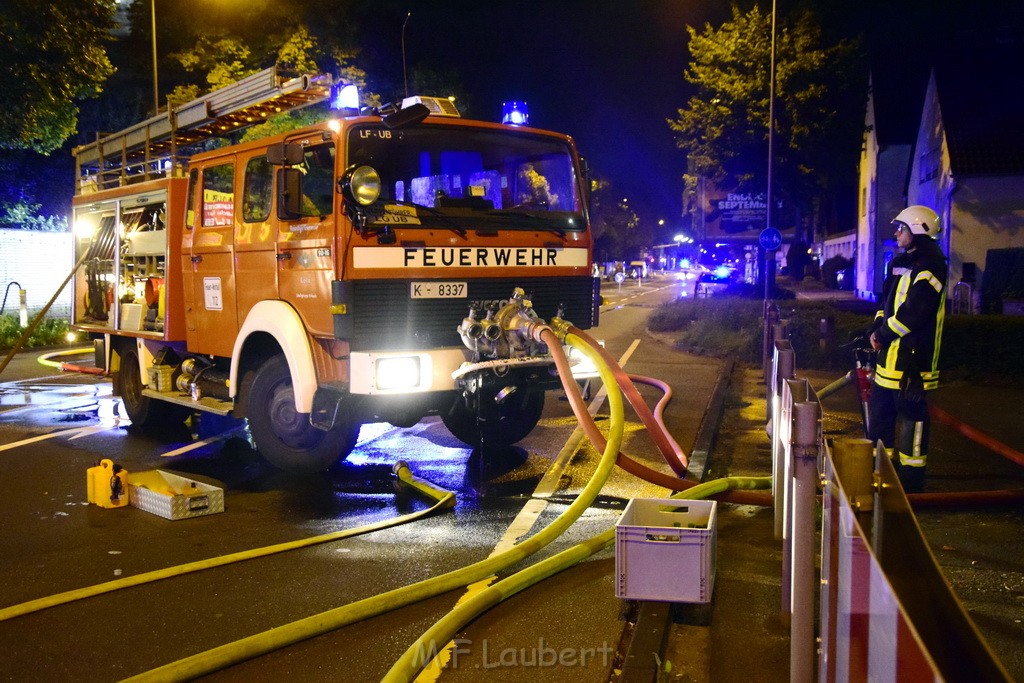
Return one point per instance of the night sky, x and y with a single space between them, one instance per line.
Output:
607 73
610 72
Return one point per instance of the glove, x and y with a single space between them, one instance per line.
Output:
911 387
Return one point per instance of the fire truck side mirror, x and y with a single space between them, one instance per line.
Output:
289 193
285 154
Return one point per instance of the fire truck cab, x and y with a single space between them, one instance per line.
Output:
362 269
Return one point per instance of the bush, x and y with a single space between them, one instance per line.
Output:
982 347
974 347
732 328
837 273
49 332
720 326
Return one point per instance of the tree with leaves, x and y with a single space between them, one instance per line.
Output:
221 59
52 54
617 229
819 103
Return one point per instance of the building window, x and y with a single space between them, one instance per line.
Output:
929 165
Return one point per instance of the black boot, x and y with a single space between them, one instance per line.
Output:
912 478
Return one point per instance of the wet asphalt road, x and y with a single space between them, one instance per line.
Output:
54 427
51 541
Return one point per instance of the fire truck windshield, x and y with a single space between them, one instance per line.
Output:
475 177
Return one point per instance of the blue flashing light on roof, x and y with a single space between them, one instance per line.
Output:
515 113
345 97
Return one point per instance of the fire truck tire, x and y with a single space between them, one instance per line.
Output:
516 417
284 436
147 414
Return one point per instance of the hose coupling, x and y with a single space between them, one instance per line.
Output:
560 327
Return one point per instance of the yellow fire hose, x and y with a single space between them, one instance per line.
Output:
444 630
45 358
302 629
443 499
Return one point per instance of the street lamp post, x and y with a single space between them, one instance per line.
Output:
769 270
156 88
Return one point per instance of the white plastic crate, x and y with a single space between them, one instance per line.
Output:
665 550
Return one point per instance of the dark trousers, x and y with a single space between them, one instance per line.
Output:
888 410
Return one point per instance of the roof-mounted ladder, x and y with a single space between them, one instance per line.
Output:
150 148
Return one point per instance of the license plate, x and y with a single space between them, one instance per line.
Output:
438 290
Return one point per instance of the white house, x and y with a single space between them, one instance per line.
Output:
890 125
968 164
963 157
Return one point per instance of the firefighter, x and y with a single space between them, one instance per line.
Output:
907 333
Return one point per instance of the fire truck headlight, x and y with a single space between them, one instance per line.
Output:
398 372
582 366
361 184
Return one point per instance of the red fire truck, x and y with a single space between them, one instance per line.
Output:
358 270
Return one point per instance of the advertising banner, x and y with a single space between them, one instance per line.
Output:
724 215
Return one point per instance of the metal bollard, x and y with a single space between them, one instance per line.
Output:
827 331
22 308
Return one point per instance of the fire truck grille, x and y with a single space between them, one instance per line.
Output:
385 316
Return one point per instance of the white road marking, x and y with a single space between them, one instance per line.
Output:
73 433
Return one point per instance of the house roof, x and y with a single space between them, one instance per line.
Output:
982 105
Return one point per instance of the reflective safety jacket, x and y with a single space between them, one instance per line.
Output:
909 326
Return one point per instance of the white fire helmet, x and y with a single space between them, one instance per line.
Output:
920 219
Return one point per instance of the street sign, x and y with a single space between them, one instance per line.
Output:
770 239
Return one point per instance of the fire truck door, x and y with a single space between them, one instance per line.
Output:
255 239
304 244
213 318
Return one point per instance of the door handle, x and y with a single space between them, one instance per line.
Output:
197 259
285 256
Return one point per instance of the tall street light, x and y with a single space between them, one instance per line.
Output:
769 271
156 88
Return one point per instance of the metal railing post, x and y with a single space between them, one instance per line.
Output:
806 431
783 368
793 391
771 317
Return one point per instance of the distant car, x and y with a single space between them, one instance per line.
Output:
715 281
637 269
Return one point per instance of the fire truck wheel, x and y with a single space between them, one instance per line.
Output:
146 413
283 435
515 418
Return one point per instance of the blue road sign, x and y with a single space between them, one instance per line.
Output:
770 239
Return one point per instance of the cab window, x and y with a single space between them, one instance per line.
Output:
218 195
190 201
258 190
317 170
